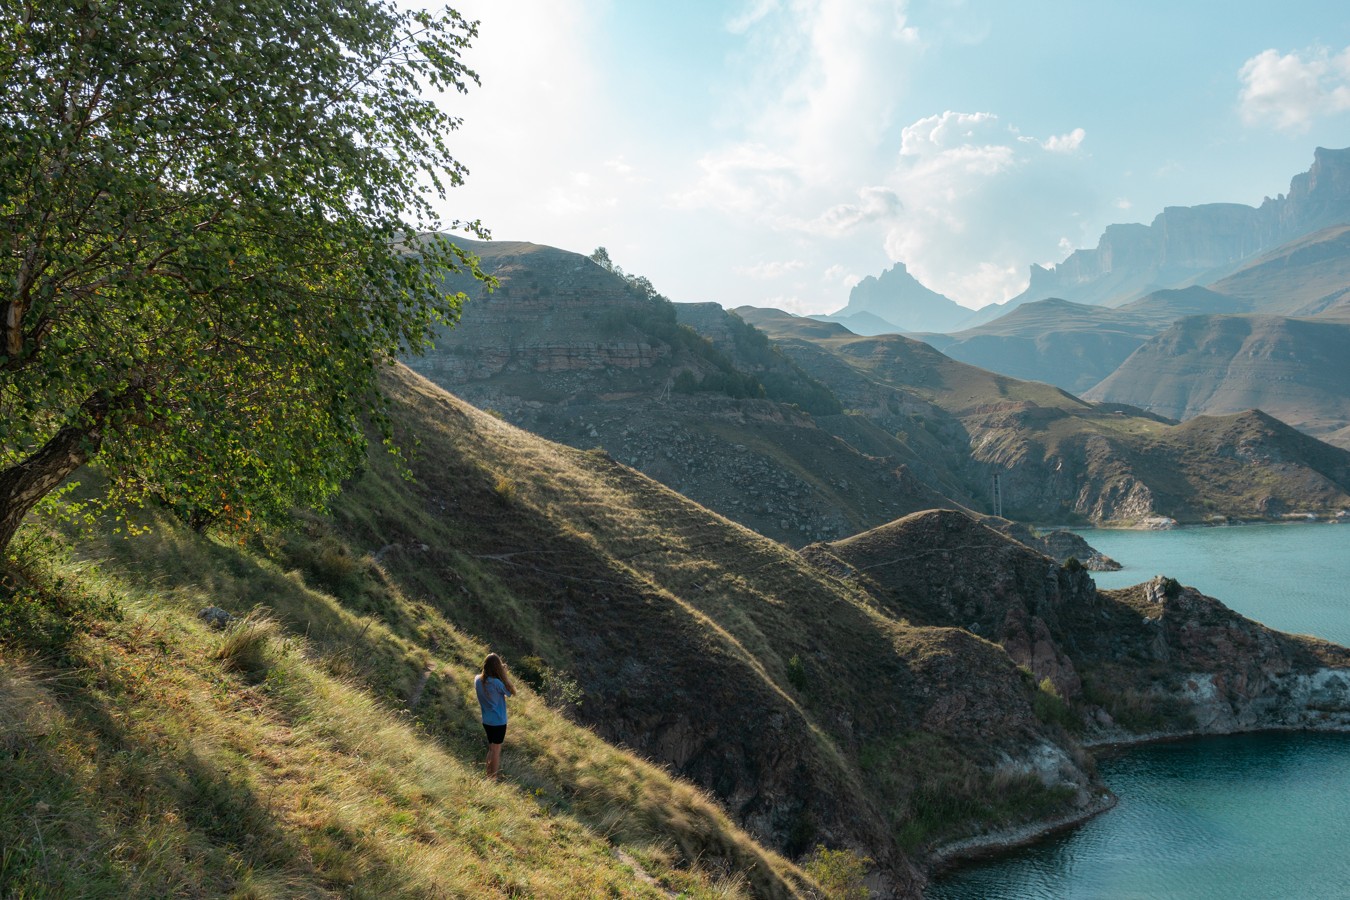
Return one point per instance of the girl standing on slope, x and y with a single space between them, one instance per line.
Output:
493 686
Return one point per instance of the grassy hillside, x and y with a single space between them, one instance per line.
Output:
707 704
1060 458
325 745
1301 278
329 743
1074 345
1292 369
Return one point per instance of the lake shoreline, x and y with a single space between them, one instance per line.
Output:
973 849
978 848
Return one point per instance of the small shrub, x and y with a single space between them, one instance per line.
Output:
505 489
557 687
531 671
840 873
1050 707
1073 565
1171 588
796 672
246 645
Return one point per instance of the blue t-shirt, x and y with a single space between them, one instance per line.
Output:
492 696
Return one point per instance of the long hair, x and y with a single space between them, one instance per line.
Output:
493 668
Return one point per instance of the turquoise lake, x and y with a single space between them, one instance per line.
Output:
1248 816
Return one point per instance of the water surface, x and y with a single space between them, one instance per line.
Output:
1291 577
1249 816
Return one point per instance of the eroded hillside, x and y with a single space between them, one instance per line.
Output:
577 353
1060 458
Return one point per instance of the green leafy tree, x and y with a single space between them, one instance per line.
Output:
217 225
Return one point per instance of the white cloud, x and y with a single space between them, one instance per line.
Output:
817 80
1291 90
790 303
957 175
770 270
875 204
1124 203
746 179
1066 143
753 13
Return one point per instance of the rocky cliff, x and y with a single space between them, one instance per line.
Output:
1075 345
575 352
1199 244
1152 660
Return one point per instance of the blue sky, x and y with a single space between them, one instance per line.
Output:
773 152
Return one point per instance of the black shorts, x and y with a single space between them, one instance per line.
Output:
495 733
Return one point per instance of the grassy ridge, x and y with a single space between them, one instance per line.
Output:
142 754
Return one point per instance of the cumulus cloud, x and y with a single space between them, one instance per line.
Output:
1292 90
876 203
957 175
746 179
837 274
1065 143
816 82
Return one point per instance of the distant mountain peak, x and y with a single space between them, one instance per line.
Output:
899 300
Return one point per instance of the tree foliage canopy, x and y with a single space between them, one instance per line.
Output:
216 225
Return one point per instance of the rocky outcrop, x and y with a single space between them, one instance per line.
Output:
942 567
576 353
1212 670
1154 660
1061 459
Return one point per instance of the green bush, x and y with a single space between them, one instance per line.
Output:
796 672
840 873
1050 707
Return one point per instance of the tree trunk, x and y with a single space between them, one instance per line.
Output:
26 482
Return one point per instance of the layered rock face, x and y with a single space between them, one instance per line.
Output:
1061 459
1198 244
576 353
1211 671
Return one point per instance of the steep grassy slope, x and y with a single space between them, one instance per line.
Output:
583 356
812 715
1293 369
1061 458
325 745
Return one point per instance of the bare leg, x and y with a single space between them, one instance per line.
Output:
494 761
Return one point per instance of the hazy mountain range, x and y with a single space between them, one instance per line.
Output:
1112 323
